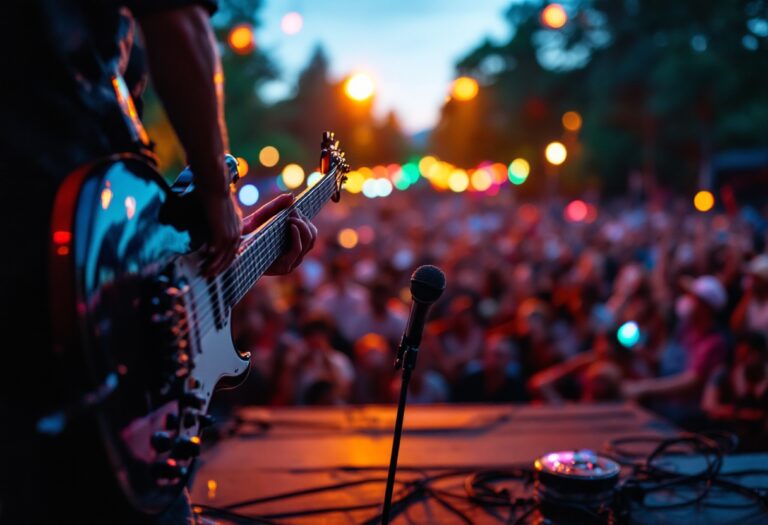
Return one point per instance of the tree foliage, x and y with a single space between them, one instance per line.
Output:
660 85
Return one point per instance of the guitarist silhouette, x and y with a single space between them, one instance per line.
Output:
65 104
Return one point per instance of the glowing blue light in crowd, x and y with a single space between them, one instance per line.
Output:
628 334
248 195
370 189
280 183
383 187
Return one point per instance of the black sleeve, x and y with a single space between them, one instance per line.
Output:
141 8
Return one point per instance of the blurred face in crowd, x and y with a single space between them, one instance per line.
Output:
754 360
692 311
702 313
759 286
317 338
601 381
498 355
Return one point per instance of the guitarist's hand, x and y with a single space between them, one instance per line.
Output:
303 233
224 225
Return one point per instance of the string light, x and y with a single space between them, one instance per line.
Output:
519 169
572 121
248 195
464 88
269 156
293 176
556 153
704 201
291 23
359 87
348 238
554 16
241 39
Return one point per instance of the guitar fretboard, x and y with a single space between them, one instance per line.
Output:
271 240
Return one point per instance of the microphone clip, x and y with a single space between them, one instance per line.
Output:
406 356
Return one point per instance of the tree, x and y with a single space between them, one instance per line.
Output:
319 104
660 86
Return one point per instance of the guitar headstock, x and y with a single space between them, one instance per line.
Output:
333 162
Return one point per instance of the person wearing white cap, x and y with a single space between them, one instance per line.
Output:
751 314
697 309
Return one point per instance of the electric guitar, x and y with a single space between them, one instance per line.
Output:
143 333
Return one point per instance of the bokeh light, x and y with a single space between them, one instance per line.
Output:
359 87
348 238
458 181
704 201
425 164
383 187
355 181
291 23
400 180
241 39
572 121
519 169
556 153
554 16
411 173
293 176
269 156
366 234
248 195
464 88
242 167
370 188
498 172
628 334
481 180
576 211
313 178
280 183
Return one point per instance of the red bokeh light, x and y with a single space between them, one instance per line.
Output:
576 211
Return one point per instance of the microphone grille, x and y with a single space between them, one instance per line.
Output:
427 284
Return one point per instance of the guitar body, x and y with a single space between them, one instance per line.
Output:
142 336
128 319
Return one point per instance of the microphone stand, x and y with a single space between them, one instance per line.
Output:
406 359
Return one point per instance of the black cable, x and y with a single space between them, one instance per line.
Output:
649 475
233 516
304 492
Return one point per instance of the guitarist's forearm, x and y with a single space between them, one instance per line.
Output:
186 71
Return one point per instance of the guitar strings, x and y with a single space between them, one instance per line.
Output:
248 269
232 278
255 265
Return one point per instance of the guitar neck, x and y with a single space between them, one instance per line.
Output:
271 240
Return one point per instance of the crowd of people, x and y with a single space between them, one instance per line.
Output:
640 300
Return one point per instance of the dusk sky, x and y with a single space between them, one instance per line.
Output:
408 46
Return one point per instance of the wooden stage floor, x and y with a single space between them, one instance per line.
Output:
274 451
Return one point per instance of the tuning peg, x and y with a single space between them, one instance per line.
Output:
192 400
186 447
161 441
171 421
190 419
168 469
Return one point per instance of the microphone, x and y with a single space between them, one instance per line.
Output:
427 285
